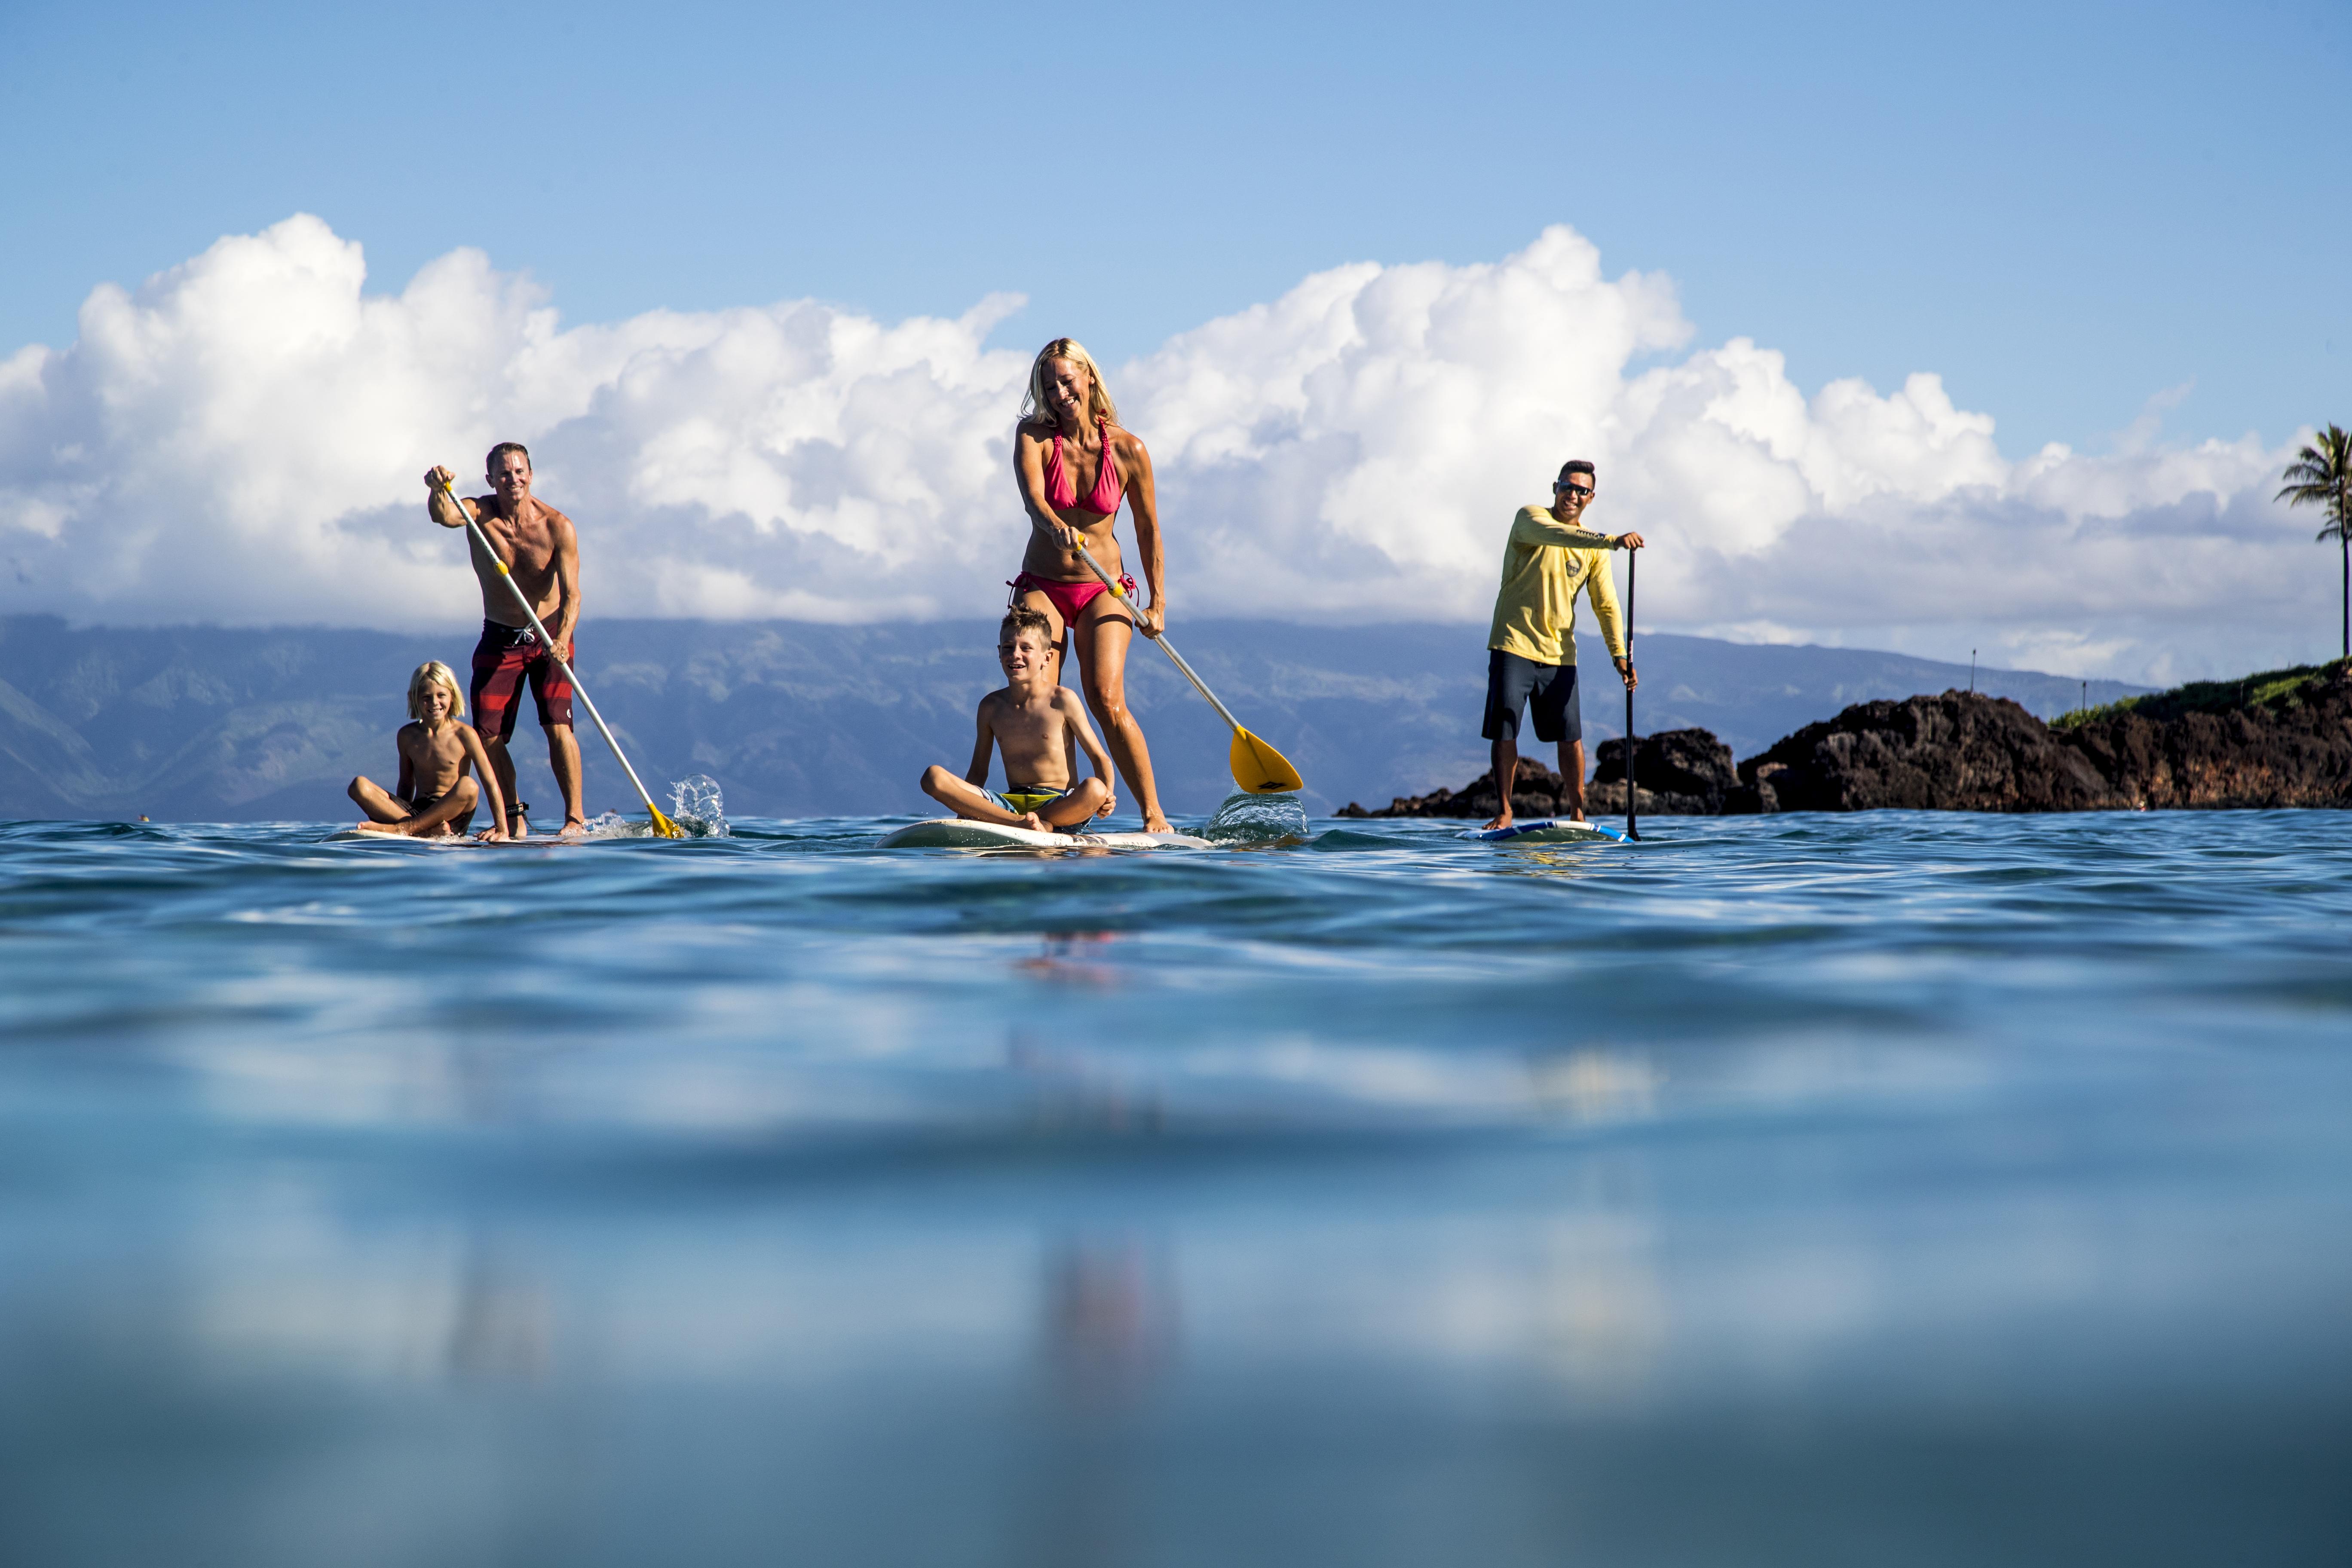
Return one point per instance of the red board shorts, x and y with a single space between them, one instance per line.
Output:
502 659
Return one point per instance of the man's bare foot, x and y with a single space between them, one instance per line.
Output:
1157 823
573 827
1502 821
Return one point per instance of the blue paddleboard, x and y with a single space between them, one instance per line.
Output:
1547 830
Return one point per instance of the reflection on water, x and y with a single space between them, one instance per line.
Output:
502 1325
1596 1085
1074 958
1809 1191
1109 1337
1110 1320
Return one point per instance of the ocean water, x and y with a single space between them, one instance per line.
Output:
1887 1189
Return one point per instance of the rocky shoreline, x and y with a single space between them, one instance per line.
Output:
2279 739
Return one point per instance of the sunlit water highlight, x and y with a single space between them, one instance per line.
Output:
1894 1188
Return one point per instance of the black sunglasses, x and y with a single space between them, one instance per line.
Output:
1572 489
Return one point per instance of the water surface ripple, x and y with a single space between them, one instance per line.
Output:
1895 1187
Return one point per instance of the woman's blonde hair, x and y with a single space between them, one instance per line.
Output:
1098 403
430 674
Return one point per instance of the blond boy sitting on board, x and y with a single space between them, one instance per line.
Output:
1040 727
437 749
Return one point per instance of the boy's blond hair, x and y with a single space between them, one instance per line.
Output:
429 674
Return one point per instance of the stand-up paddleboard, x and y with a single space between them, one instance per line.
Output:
1547 830
956 833
467 841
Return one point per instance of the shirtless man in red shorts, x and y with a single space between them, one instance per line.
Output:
541 554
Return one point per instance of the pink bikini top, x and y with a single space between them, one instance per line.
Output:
1063 490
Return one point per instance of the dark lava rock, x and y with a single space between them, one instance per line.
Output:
2280 739
1958 751
2283 739
1681 771
1534 793
1689 772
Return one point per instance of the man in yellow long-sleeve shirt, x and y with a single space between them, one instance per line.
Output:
1531 653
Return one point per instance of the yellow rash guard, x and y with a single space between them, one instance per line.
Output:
1544 564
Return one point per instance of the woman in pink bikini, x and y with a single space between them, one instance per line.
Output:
1075 466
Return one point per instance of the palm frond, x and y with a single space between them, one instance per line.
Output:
2321 474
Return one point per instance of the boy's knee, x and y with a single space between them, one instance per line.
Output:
357 785
468 792
933 776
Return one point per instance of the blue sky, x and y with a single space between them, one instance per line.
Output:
1815 285
2064 209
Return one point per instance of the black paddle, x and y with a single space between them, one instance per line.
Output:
1631 830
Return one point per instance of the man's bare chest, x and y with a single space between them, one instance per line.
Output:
527 548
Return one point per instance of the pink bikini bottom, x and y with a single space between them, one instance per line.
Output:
1068 598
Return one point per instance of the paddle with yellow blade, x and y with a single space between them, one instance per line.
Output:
1259 768
663 827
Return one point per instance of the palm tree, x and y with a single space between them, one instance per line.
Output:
2320 476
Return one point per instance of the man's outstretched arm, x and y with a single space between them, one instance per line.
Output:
436 502
1528 528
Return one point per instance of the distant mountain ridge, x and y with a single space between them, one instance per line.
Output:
797 718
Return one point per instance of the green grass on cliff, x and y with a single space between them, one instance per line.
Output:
2271 689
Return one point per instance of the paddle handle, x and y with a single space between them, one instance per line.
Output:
540 627
1631 556
1198 685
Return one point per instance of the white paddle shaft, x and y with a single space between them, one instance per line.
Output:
538 627
1165 646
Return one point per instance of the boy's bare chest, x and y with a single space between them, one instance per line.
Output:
1027 723
435 754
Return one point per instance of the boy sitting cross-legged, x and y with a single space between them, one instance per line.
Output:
437 751
1040 726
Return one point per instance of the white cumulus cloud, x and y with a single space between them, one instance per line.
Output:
241 441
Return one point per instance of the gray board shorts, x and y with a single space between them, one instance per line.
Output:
1548 688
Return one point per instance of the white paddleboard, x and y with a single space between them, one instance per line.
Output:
1547 830
956 833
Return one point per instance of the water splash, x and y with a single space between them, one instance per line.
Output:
1266 819
695 806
